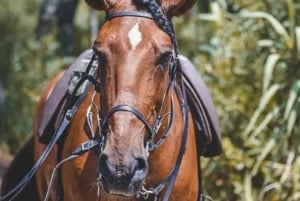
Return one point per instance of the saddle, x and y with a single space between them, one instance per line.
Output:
199 99
203 111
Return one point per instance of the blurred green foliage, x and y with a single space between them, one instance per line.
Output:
26 65
249 60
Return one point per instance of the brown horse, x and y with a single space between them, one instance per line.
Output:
141 131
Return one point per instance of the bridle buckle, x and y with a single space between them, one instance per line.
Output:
147 195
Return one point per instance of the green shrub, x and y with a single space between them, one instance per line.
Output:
250 60
26 65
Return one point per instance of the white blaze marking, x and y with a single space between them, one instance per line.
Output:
135 36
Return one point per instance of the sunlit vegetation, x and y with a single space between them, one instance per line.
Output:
249 59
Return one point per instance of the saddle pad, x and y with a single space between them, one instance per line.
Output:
200 103
203 110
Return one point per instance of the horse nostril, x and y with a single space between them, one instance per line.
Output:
139 169
104 164
141 164
102 159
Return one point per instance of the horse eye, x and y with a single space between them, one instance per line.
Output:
163 60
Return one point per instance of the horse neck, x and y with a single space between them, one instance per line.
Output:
166 154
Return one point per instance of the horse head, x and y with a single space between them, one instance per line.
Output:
135 68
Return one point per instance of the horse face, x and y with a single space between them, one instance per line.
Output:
134 57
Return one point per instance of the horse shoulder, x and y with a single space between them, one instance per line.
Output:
44 173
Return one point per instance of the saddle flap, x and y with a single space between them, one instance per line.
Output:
203 110
53 107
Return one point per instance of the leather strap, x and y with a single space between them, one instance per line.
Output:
132 110
172 178
109 16
69 114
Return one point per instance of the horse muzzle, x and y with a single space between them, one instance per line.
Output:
123 180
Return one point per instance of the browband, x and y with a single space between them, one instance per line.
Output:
109 16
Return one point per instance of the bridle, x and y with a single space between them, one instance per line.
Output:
153 130
152 194
94 142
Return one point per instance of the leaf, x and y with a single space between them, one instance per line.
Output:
265 122
268 96
273 186
248 187
297 32
292 118
278 27
292 98
265 99
268 70
266 150
265 43
216 14
288 167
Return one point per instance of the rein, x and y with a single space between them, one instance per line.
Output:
64 123
144 194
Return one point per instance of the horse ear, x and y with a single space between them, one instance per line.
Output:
177 7
100 4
